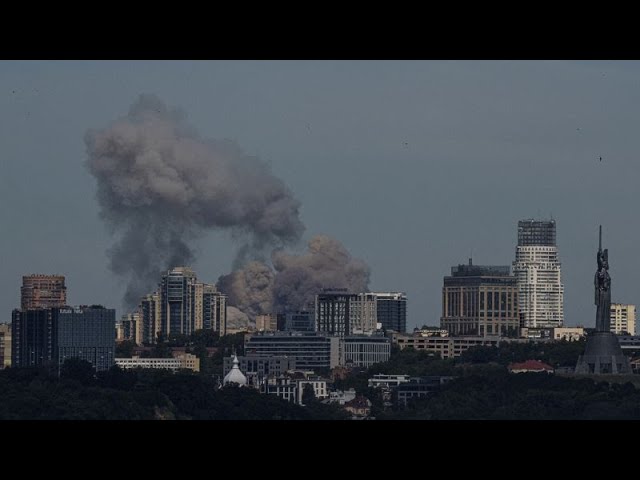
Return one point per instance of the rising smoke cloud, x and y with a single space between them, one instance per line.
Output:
160 185
295 279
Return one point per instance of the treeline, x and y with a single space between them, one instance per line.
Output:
483 388
79 394
498 395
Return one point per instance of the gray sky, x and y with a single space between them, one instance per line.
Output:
409 164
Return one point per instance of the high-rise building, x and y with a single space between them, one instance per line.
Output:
623 319
177 301
131 328
267 323
42 291
332 312
392 311
47 337
214 309
480 300
341 313
85 333
5 345
187 305
151 319
538 274
33 338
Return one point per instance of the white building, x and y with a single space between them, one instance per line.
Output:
623 319
538 273
186 361
387 381
319 389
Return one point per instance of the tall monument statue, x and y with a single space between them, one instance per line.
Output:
602 282
603 354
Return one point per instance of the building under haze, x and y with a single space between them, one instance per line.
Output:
623 319
182 305
480 300
5 345
300 321
42 291
341 313
538 274
131 328
49 336
392 311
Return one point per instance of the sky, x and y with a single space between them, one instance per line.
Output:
412 165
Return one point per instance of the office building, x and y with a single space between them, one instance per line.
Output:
85 333
446 347
300 321
341 313
365 350
538 273
308 351
623 319
47 337
480 300
392 311
42 291
267 323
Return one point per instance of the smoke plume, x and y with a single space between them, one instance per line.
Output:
160 186
296 279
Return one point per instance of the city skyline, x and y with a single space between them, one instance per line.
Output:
461 151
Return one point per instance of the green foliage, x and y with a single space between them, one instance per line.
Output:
308 395
557 354
78 370
124 349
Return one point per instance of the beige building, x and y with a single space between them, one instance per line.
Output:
447 347
5 345
623 319
568 333
43 291
267 323
480 300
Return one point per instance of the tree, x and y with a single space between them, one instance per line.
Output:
308 395
124 349
79 370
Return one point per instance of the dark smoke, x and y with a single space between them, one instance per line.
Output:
257 289
160 185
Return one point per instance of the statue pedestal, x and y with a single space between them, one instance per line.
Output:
603 356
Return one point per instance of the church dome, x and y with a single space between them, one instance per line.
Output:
235 375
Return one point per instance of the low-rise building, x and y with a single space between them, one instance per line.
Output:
319 389
447 347
365 350
381 380
341 397
569 334
418 387
186 361
359 407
